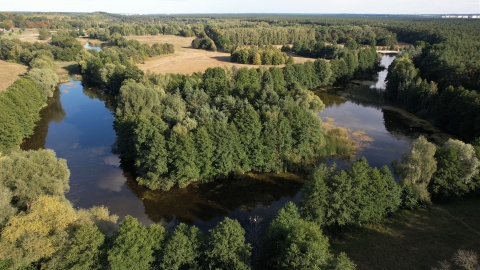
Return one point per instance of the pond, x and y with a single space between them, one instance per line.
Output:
78 125
90 46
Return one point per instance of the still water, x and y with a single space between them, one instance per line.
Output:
78 126
90 46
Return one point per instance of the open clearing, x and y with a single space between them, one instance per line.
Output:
415 239
28 35
9 72
187 60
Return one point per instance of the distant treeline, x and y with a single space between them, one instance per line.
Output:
227 36
114 64
455 109
440 78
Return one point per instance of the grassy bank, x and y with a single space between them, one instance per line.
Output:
414 239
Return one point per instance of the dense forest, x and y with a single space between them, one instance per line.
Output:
182 129
178 129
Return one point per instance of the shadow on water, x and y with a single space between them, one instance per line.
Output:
53 112
204 204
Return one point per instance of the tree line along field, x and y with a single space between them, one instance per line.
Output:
176 129
187 60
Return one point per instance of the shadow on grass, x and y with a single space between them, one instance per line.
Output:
222 58
414 239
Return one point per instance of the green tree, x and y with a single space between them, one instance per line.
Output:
215 82
82 251
257 59
323 72
457 166
183 169
357 195
342 262
30 174
6 208
20 106
204 151
134 245
401 76
38 233
307 248
351 44
293 243
151 151
315 194
43 34
183 249
43 61
227 248
46 79
417 167
249 128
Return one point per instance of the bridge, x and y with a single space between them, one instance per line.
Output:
387 51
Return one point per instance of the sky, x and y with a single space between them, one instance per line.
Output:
247 6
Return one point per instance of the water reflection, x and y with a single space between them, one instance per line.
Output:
53 112
205 204
331 100
365 123
387 59
90 46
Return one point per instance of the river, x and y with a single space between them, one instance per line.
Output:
78 125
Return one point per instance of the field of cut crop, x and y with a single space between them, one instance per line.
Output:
9 72
187 60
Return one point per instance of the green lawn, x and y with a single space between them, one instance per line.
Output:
414 239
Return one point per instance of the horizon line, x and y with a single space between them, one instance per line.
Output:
245 13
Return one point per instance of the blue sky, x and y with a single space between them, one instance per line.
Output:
247 6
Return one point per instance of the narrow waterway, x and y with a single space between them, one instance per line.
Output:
78 126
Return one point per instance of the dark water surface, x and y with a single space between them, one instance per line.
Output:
78 126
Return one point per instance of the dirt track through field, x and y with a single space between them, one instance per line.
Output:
187 60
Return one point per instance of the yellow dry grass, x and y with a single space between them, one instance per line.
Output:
9 72
187 60
28 35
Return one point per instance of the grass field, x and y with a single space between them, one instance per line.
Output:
187 60
415 239
9 72
29 35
